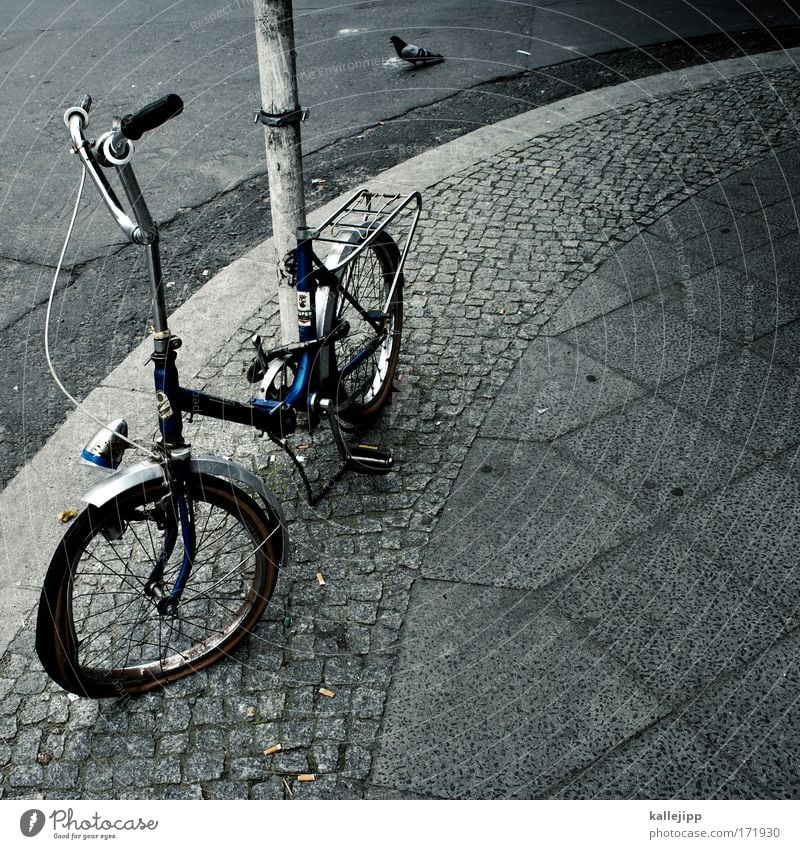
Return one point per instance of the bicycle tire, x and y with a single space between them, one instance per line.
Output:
99 634
361 391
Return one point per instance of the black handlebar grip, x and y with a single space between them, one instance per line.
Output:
153 115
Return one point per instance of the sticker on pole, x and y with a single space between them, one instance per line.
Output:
304 309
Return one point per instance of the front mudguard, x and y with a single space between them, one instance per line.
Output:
219 467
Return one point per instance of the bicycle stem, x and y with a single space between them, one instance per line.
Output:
146 224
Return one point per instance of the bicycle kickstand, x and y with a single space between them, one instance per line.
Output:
364 459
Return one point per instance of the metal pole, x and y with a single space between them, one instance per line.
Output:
281 117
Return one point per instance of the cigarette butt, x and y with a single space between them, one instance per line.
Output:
304 446
307 776
320 579
272 749
324 691
67 516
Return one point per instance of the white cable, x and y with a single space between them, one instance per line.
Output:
78 405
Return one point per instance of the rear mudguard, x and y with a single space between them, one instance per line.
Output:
219 467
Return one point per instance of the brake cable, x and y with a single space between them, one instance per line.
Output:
50 365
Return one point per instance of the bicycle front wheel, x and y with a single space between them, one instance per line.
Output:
100 629
365 360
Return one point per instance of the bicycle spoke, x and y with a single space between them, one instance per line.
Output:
106 566
236 568
204 545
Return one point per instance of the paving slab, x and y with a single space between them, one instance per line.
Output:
669 760
520 516
496 697
649 263
753 719
659 457
648 342
752 401
782 346
729 304
748 190
731 242
783 215
697 216
776 262
554 389
598 295
752 528
673 616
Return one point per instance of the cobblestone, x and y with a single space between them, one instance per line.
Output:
190 791
28 775
227 790
97 778
174 744
137 773
358 762
8 727
249 768
30 684
272 789
166 770
368 704
286 763
204 766
9 705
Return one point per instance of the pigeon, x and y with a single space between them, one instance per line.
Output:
413 54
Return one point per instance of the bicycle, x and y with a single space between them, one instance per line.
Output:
173 560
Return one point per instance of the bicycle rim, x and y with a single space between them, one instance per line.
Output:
109 636
366 359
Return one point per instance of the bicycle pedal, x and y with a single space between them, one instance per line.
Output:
369 460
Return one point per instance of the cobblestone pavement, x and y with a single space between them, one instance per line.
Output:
500 249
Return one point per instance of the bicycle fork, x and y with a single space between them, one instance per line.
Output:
178 518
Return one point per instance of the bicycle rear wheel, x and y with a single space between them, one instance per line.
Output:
99 630
362 364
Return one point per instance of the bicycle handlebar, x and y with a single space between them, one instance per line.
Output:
131 127
149 117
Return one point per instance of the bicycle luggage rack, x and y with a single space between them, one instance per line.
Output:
370 214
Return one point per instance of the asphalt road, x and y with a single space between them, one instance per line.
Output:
203 173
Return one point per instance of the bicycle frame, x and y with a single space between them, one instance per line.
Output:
275 417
